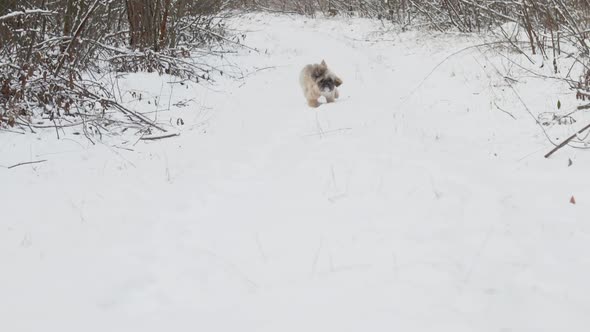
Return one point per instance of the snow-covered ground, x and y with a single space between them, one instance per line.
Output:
407 205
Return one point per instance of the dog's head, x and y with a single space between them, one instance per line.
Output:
324 78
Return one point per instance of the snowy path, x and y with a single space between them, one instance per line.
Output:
382 212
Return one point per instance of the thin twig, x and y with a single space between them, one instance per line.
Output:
500 109
27 163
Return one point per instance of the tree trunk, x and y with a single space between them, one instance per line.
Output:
68 20
142 23
164 22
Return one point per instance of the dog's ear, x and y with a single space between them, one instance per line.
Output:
337 81
324 63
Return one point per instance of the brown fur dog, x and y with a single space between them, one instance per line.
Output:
316 81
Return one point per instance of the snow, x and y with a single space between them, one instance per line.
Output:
409 204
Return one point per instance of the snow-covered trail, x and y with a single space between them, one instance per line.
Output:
391 209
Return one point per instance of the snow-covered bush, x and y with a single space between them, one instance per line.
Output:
52 54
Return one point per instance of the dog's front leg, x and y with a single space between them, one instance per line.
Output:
313 103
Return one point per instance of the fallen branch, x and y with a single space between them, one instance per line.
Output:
567 140
153 138
129 112
121 108
27 163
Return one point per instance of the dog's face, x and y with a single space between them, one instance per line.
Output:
326 84
325 79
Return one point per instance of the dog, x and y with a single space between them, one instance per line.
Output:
317 80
